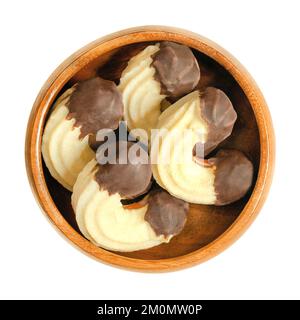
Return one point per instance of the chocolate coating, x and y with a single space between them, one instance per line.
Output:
176 68
233 175
218 113
95 104
166 214
129 179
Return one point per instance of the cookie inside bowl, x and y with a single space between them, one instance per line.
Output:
204 223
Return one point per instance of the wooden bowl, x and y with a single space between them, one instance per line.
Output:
209 229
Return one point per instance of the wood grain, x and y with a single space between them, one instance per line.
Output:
209 229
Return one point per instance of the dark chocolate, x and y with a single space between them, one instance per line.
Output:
129 179
95 104
166 214
176 68
233 175
218 113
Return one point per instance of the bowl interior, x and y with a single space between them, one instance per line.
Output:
205 223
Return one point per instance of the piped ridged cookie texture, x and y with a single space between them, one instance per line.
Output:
141 92
64 153
162 70
77 115
102 217
103 220
177 165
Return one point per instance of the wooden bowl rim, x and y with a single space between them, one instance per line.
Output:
105 44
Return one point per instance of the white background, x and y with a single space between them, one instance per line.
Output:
36 36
